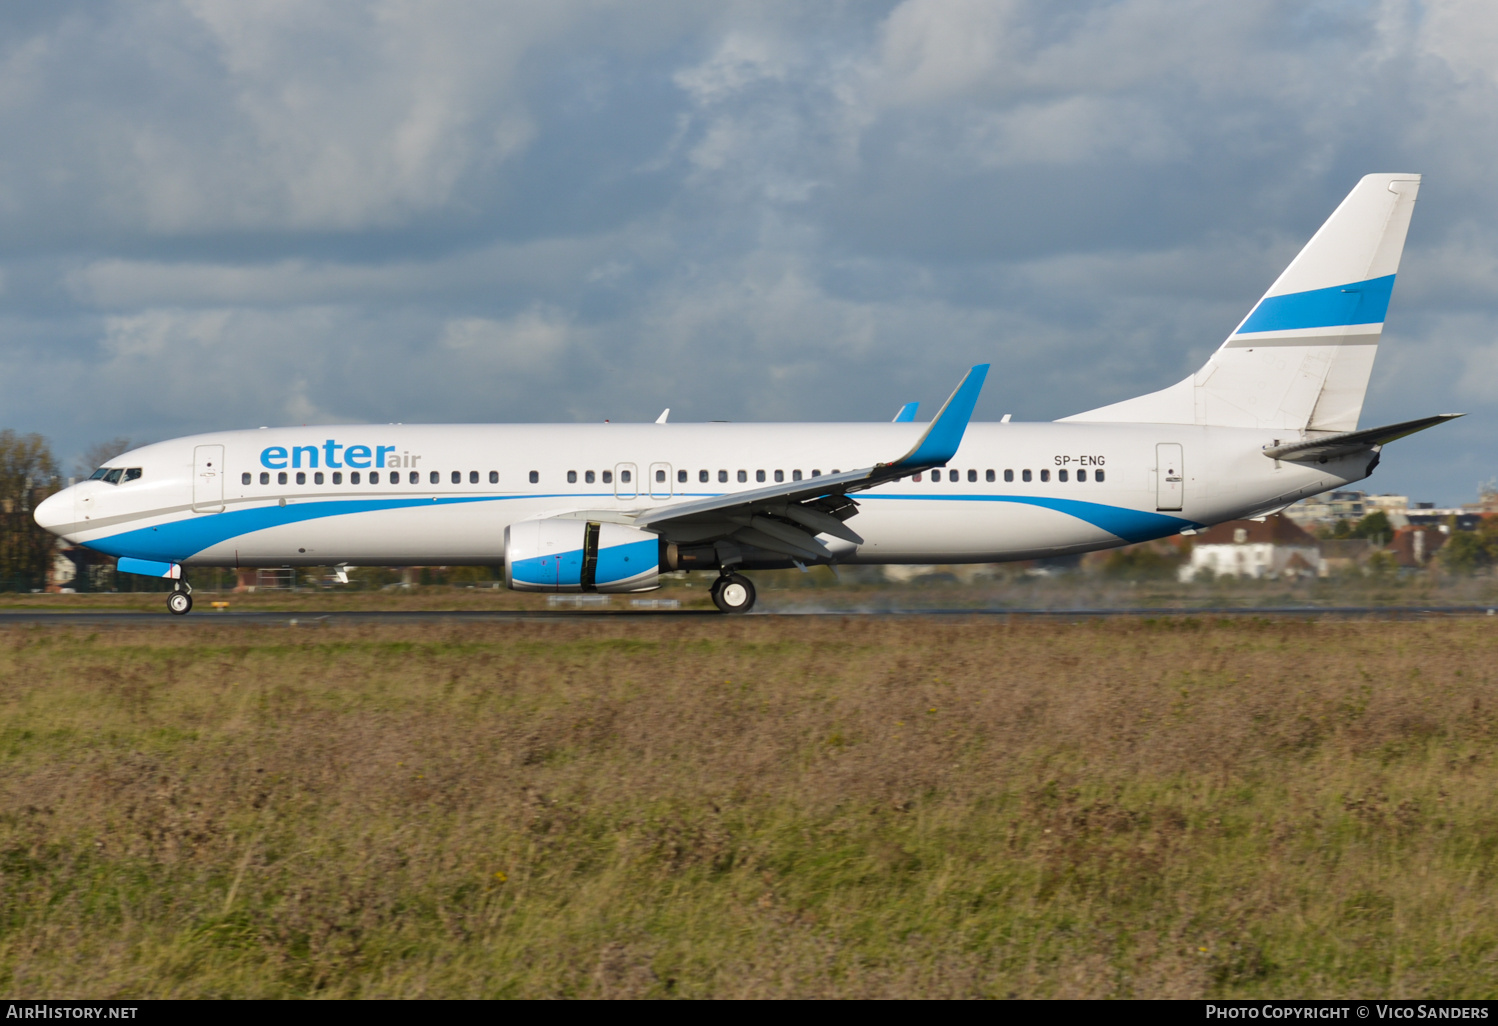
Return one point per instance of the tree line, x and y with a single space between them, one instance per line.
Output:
28 474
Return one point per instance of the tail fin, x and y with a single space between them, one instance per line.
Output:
1302 357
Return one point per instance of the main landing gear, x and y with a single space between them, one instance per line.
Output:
733 593
179 601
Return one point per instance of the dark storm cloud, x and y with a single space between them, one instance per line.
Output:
215 214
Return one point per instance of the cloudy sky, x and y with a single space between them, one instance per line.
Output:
219 214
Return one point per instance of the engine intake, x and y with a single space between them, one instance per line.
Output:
581 555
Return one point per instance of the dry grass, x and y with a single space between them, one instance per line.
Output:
752 807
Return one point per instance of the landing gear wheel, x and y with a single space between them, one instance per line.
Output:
179 602
733 593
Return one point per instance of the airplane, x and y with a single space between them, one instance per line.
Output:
1270 418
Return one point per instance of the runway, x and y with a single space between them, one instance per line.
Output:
33 618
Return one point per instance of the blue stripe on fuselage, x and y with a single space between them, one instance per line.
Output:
178 540
181 539
1131 525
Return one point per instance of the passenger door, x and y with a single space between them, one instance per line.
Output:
624 481
208 479
1170 476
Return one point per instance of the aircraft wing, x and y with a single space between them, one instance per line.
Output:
1347 443
787 516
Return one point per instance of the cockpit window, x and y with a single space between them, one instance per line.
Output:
132 474
98 474
113 476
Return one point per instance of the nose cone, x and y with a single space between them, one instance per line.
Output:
55 511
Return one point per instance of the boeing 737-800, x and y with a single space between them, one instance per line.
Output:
1270 418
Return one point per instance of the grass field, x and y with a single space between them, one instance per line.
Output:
759 806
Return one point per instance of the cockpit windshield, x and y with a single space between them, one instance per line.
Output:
113 475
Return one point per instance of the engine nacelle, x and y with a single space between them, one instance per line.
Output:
581 555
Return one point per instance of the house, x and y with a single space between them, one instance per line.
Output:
1273 547
1414 546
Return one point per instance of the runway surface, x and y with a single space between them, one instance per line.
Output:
17 618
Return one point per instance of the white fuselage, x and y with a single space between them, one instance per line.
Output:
238 512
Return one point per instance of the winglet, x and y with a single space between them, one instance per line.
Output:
664 414
906 414
939 443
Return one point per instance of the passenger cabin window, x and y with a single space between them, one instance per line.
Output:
244 478
473 477
435 477
608 477
265 477
660 477
301 477
1081 475
374 477
458 477
722 477
1045 475
281 477
795 475
317 478
494 476
1024 475
759 475
353 477
535 477
681 477
572 477
743 476
779 476
814 473
338 477
972 475
588 477
1098 477
625 477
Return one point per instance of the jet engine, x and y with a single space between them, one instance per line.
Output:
581 555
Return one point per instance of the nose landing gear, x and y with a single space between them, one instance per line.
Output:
179 602
733 593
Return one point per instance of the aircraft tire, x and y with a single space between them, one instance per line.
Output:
179 603
733 593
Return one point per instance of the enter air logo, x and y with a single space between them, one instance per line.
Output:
334 455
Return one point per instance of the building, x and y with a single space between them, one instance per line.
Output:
1342 555
1329 507
1273 547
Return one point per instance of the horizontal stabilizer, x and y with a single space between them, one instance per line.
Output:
1348 443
